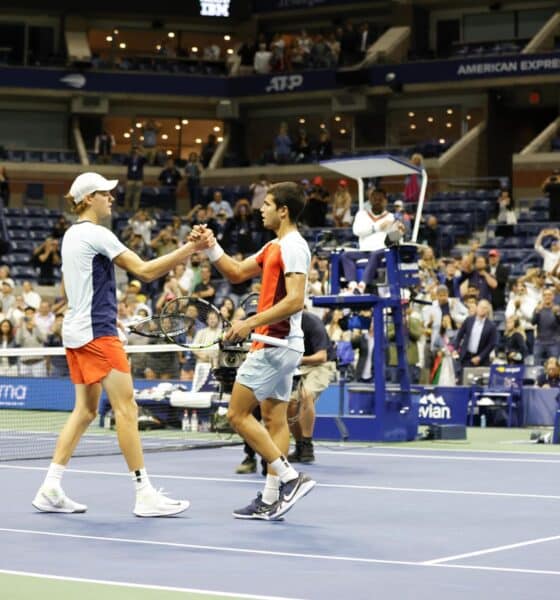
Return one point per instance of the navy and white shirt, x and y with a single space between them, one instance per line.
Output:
87 252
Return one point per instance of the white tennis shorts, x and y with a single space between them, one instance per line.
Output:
269 372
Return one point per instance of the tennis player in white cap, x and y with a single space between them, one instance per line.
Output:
96 357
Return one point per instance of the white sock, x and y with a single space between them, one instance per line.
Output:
54 475
284 469
141 480
271 491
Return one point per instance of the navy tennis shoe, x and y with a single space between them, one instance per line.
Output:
290 493
258 509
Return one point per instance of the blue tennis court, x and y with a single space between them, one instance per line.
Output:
385 521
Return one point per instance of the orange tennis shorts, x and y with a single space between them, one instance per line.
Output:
94 361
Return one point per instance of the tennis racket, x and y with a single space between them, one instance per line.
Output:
152 328
186 316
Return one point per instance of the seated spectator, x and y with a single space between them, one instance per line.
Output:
477 337
514 345
551 376
8 365
259 189
4 186
324 149
342 203
162 365
218 205
208 150
282 145
205 336
179 229
7 295
334 320
103 147
427 268
430 235
30 336
47 256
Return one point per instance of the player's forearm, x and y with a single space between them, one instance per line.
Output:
158 267
229 268
283 310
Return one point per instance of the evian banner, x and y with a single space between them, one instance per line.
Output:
444 406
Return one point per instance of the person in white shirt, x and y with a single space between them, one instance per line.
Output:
263 60
521 305
219 205
552 256
95 354
30 296
371 225
44 318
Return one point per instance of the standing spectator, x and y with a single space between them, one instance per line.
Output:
477 337
239 233
342 203
4 186
321 57
278 49
349 44
8 365
58 366
262 61
259 190
506 218
142 224
30 336
324 149
205 289
30 296
547 319
60 227
317 206
193 170
413 182
282 145
334 46
150 133
476 274
302 49
219 205
521 306
402 216
103 147
365 39
170 177
552 256
551 187
430 234
501 274
302 147
47 257
208 150
7 296
514 346
44 319
246 53
441 306
134 162
164 242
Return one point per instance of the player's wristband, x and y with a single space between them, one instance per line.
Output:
214 253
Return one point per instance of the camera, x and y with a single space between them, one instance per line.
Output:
232 356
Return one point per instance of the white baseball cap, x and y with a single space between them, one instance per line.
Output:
88 183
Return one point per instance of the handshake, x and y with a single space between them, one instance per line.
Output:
203 238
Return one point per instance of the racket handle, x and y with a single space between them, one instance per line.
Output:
268 339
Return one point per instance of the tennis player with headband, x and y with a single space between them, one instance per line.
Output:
96 357
266 375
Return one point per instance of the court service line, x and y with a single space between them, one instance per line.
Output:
342 486
126 584
254 551
444 559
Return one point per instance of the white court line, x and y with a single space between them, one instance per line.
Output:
297 555
126 584
445 559
343 486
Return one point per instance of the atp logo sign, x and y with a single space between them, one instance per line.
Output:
214 8
434 407
284 83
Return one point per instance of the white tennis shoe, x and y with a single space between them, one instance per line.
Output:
53 499
154 503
